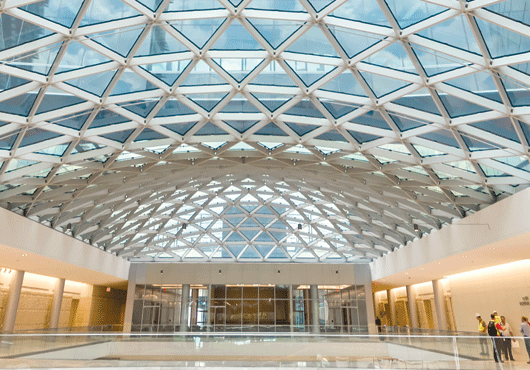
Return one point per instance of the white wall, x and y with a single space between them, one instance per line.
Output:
499 288
462 246
29 246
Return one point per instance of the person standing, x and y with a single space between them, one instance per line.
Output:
496 340
507 339
378 324
525 330
482 332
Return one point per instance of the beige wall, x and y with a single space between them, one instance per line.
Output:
499 288
107 308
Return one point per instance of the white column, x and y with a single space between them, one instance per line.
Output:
370 316
392 305
184 307
411 297
129 303
15 287
208 309
315 322
57 302
438 291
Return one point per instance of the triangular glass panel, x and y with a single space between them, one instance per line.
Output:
63 14
241 126
274 31
338 109
313 42
382 85
404 123
19 105
278 236
513 9
140 107
249 234
278 253
119 42
518 93
306 255
235 249
368 12
457 107
148 134
299 129
166 72
427 152
309 73
202 74
526 130
331 135
234 238
16 164
106 117
420 100
79 56
8 82
207 101
18 32
151 4
521 163
174 107
480 83
210 129
120 136
238 68
393 56
250 253
75 121
492 172
345 83
38 61
292 250
100 11
463 165
272 101
95 84
7 140
57 150
372 119
434 62
413 11
56 99
502 42
318 5
362 137
279 209
264 249
236 2
285 6
158 41
180 128
130 82
476 144
193 254
271 129
445 137
37 135
198 31
353 41
239 104
305 108
523 67
273 75
236 37
455 32
502 127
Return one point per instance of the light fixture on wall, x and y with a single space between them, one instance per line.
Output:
184 226
68 227
416 227
299 227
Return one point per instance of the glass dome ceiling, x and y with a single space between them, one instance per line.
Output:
261 130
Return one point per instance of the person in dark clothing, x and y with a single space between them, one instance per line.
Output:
494 329
378 323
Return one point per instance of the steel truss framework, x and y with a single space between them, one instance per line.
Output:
261 130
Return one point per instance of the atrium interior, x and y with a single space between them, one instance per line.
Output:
346 180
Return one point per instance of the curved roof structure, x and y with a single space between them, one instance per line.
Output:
261 130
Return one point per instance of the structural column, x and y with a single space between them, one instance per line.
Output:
439 304
411 297
15 287
57 303
315 321
184 307
129 303
392 306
